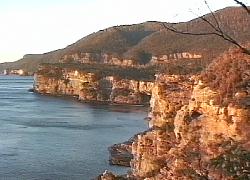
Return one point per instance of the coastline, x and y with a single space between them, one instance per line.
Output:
72 133
76 98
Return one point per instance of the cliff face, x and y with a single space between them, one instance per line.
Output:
192 135
102 58
169 94
88 86
175 57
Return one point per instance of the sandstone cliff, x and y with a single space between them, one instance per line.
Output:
194 134
89 86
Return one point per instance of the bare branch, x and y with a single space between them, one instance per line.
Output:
243 5
173 29
216 29
220 34
206 20
217 33
217 22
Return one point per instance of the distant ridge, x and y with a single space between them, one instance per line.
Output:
127 41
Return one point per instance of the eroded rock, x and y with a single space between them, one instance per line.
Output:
88 86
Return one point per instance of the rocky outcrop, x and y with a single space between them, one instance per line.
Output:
194 134
121 154
130 91
175 56
169 94
110 176
202 128
102 58
88 86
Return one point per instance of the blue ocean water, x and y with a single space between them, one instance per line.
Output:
44 137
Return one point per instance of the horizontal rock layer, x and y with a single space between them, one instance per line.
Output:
87 86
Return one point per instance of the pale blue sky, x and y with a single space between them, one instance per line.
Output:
39 26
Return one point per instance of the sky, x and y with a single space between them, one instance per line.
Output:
39 26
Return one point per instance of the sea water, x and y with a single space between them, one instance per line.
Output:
44 137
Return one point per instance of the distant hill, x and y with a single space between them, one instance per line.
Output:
129 41
233 20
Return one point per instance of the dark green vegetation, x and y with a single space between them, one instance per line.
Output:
141 41
235 161
143 73
56 70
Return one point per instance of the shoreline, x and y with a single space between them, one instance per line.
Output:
93 102
67 131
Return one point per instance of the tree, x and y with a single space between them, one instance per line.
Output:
217 30
144 57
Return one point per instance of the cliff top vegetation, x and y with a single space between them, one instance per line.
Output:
146 73
229 74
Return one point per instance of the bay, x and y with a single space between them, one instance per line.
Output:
44 137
